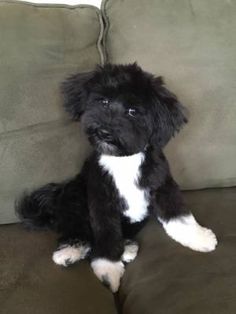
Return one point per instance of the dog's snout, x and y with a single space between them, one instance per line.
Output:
103 134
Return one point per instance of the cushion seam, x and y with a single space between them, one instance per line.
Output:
99 43
106 28
36 127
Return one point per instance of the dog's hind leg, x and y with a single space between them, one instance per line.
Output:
76 236
61 207
130 251
178 222
70 251
73 224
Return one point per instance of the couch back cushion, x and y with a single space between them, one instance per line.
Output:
40 46
192 44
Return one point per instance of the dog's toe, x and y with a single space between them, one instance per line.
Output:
189 233
130 251
69 254
108 272
205 240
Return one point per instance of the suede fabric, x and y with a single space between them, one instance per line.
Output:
167 278
40 46
192 44
30 282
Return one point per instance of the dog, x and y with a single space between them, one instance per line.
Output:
128 116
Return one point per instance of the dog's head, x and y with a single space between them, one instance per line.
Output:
123 109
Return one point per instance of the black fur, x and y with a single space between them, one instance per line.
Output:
124 111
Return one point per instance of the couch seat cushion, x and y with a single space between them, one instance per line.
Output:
31 283
167 278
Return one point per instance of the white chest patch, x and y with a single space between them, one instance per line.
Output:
125 172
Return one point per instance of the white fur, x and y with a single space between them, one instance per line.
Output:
67 254
125 172
188 232
108 272
130 252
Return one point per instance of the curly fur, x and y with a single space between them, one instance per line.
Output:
125 112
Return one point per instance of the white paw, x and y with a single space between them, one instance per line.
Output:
189 233
67 254
108 272
130 252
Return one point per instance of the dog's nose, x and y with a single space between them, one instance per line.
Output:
103 133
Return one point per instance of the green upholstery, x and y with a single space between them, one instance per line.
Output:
32 284
192 44
40 46
167 278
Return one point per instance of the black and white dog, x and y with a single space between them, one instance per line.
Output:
128 116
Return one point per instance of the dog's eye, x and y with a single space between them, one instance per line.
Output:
131 112
105 102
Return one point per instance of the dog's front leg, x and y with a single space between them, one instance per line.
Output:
108 245
178 222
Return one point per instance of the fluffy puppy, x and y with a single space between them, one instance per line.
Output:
129 116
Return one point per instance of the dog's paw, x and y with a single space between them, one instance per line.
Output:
200 239
189 233
130 251
108 272
66 255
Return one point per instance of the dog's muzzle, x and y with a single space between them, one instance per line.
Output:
104 135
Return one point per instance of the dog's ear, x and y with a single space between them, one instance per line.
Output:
169 114
75 94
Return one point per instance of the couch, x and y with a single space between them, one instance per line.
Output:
191 43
